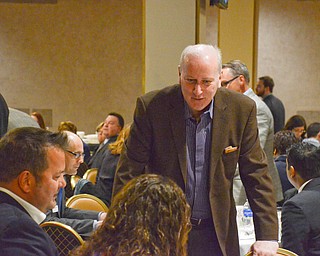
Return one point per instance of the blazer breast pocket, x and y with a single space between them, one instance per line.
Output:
230 159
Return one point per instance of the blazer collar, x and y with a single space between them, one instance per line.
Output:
315 182
5 198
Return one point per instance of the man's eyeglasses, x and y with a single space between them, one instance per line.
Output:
225 83
76 155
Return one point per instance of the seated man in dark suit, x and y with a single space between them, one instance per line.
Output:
105 177
112 126
32 162
300 214
84 222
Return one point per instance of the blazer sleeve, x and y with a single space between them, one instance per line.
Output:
25 237
83 226
71 213
257 181
295 228
264 122
136 150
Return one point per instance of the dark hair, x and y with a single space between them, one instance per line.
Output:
120 118
267 82
26 149
305 158
295 121
283 140
238 68
149 216
40 120
67 126
313 129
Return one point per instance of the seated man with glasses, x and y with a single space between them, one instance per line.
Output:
84 222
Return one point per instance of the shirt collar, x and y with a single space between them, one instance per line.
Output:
247 91
187 112
37 215
303 185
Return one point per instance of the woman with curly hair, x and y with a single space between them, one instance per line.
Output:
149 216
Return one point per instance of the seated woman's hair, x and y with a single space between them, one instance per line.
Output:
39 119
149 216
67 126
116 147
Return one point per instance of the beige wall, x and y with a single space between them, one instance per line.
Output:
84 58
80 58
280 39
237 33
170 27
289 51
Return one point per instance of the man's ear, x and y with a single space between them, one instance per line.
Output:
275 152
242 83
25 181
292 172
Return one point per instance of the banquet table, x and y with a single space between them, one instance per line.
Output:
246 239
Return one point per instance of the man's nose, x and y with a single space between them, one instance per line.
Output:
197 89
62 182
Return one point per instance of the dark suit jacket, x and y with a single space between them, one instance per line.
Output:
281 167
301 222
157 143
103 187
97 159
19 233
277 110
80 220
4 116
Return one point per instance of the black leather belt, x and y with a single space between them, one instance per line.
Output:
201 223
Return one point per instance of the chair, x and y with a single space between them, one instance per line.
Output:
65 238
91 175
280 251
73 181
86 202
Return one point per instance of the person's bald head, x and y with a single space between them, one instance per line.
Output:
74 153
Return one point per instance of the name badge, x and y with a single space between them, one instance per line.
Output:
55 209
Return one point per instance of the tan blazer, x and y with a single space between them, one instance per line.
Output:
157 144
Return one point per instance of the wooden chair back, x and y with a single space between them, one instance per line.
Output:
91 175
65 238
281 251
86 202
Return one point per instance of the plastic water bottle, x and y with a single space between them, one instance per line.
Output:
247 219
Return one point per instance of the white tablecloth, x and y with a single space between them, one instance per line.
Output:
245 239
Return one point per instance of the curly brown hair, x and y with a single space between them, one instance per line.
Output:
149 216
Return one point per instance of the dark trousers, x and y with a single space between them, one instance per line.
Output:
203 241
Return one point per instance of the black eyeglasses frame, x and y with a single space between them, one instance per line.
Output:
225 83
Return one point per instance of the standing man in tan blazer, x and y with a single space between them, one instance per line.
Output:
195 133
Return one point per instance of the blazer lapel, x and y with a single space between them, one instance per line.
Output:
177 122
219 122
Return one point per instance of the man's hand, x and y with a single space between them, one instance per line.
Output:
264 248
102 216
